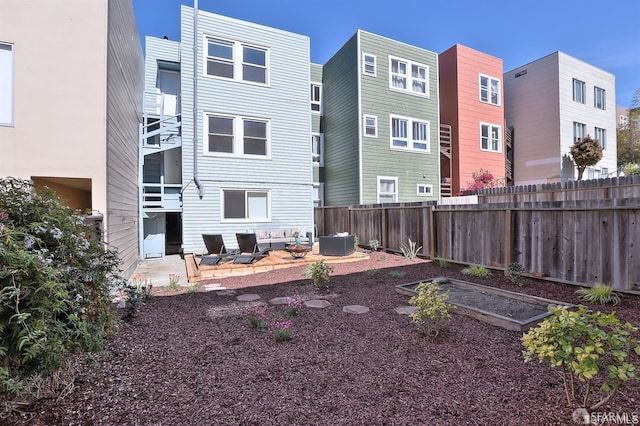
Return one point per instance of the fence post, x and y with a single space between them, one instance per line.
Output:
432 235
508 241
383 223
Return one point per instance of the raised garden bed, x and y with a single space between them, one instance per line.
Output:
503 308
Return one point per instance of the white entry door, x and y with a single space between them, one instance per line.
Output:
154 236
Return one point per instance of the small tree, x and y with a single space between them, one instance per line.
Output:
586 152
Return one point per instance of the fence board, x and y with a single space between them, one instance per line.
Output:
571 232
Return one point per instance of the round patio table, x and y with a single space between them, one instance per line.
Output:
297 251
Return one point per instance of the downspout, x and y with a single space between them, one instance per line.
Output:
196 180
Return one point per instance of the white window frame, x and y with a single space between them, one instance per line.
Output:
7 69
387 178
601 135
246 219
604 172
428 190
579 131
599 98
366 64
237 135
409 139
489 90
315 101
320 155
579 91
365 126
237 60
318 202
490 127
408 77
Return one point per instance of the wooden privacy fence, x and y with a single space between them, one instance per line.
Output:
574 242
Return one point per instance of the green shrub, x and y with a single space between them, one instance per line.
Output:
443 263
477 271
372 272
432 308
374 245
397 274
319 273
514 272
631 169
588 346
174 279
138 292
55 280
410 250
600 293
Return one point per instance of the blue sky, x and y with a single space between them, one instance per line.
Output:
604 33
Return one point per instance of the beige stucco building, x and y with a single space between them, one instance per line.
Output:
71 77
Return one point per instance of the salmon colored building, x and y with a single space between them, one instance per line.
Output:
472 118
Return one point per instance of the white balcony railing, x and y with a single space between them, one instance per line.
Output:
161 196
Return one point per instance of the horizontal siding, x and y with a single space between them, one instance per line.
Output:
570 111
472 112
285 103
378 159
157 49
341 132
532 108
124 110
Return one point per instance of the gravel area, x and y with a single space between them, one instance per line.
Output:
192 358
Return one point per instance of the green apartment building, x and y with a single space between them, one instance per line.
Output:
379 124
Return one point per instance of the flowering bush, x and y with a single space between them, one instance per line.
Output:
55 281
281 331
293 308
483 179
258 317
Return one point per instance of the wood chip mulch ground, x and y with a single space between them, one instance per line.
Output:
193 359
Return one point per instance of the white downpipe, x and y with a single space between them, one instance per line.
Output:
196 179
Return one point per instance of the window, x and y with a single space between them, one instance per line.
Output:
371 126
254 64
6 84
318 194
599 98
220 58
316 97
240 205
387 189
489 90
579 131
424 190
399 78
317 148
604 173
490 137
368 64
601 136
592 173
222 61
579 93
410 134
237 135
255 137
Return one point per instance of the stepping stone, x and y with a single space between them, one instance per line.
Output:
225 292
281 300
406 310
355 309
212 287
319 304
249 297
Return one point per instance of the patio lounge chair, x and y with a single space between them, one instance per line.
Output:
248 248
216 250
